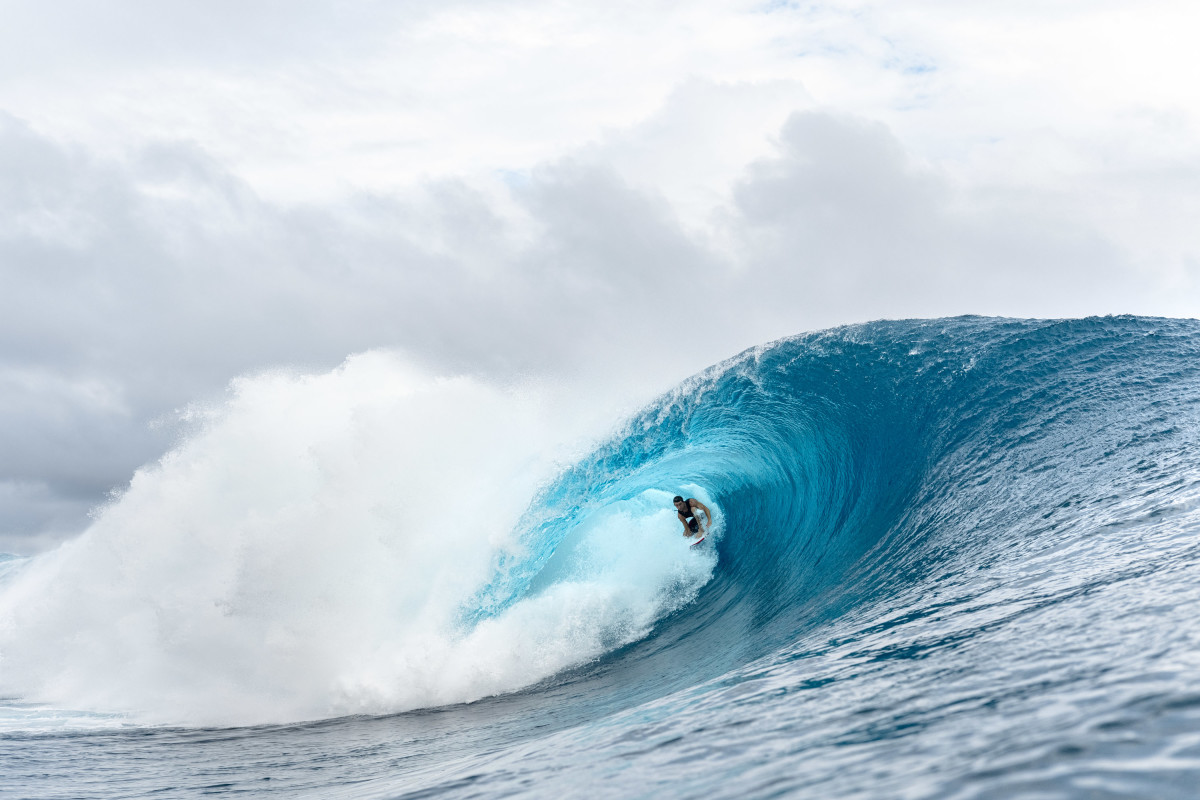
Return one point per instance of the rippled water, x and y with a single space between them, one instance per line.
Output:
955 558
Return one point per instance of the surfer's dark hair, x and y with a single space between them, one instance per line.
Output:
678 499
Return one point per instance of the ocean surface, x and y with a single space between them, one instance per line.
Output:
953 558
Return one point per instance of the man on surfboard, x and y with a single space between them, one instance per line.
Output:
691 521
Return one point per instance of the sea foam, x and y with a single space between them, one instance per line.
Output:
313 548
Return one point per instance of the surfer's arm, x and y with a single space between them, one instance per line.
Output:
686 530
708 520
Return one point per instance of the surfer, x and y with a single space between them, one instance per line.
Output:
687 515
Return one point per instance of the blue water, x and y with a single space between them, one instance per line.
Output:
957 558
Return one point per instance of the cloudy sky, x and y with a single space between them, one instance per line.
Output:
605 194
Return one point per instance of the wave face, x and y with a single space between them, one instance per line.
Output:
953 558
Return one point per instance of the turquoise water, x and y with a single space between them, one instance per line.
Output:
955 558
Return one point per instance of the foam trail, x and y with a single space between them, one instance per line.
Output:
309 552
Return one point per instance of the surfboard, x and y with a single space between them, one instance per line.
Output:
698 541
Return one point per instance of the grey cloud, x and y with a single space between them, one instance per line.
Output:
36 516
132 287
844 217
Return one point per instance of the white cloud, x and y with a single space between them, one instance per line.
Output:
626 192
